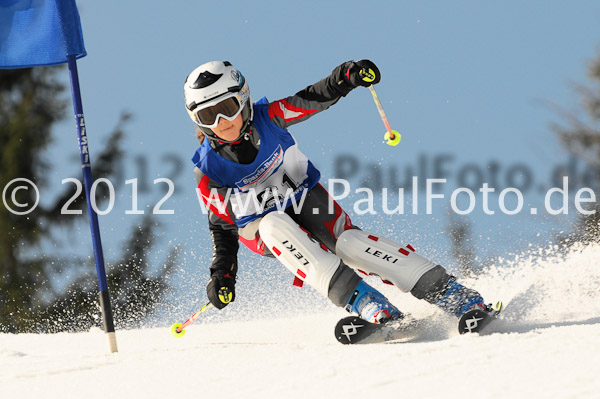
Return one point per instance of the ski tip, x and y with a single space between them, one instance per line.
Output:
498 307
348 330
476 320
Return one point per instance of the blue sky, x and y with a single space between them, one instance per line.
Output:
471 79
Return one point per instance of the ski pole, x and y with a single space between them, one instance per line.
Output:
391 137
177 329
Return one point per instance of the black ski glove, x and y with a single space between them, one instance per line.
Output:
221 289
362 73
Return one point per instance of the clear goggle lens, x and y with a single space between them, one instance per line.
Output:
228 108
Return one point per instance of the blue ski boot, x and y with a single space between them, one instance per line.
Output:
458 299
371 305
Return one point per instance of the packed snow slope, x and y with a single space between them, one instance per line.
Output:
547 344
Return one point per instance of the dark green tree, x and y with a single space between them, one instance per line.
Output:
135 292
459 232
31 102
580 135
29 105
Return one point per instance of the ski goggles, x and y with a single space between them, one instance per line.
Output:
228 108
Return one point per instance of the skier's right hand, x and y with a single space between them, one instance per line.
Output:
221 289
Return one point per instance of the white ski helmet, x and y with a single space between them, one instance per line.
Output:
217 90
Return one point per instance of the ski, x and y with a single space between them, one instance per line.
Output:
476 320
353 330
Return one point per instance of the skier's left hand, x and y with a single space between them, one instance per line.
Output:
362 73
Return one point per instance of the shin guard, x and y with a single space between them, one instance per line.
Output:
302 255
395 264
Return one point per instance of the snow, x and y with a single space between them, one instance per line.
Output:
547 344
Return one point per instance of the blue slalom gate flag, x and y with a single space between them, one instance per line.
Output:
39 33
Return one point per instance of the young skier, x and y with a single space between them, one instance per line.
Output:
246 150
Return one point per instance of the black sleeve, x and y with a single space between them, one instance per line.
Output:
223 230
330 88
225 248
311 100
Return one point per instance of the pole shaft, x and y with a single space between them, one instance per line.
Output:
381 112
82 139
194 317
